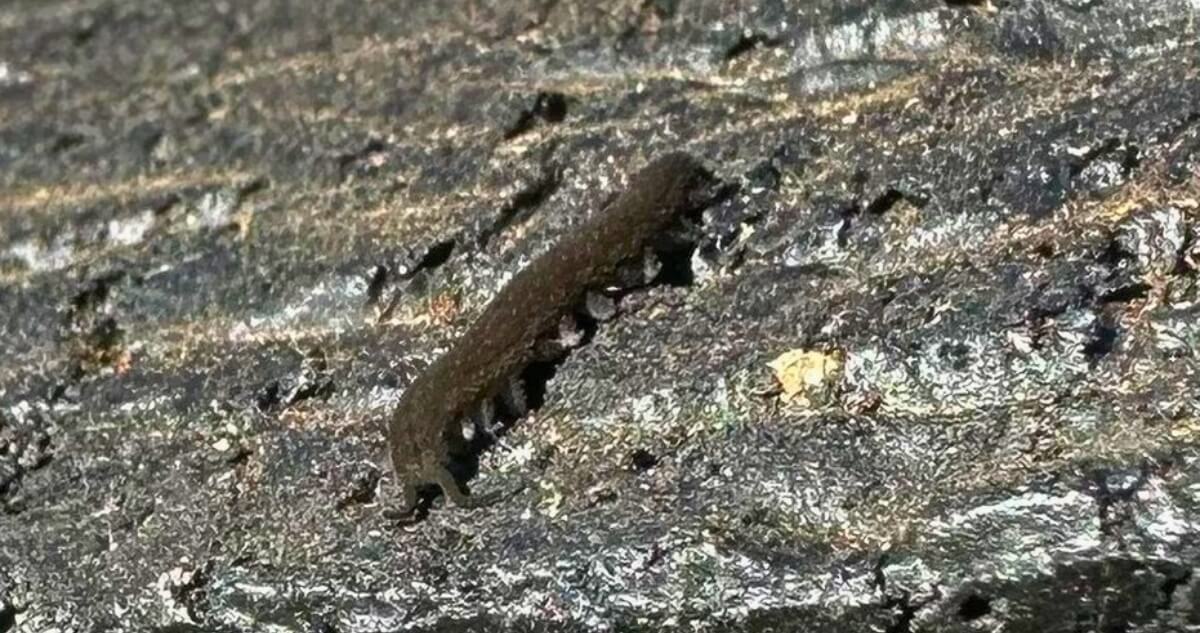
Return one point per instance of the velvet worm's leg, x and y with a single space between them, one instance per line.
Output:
599 306
483 420
514 399
450 487
411 499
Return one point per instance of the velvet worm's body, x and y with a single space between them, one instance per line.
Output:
425 431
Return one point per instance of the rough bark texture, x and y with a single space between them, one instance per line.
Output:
231 233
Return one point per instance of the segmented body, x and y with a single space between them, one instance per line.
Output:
425 431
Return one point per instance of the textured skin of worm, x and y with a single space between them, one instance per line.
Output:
425 431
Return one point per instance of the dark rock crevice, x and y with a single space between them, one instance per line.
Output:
522 205
548 107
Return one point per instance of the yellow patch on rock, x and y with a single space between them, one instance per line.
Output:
807 378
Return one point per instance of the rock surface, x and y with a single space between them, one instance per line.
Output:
232 232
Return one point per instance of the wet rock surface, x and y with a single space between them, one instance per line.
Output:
232 233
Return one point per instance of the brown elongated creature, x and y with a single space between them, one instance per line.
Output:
425 432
